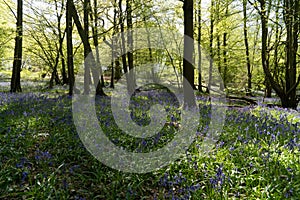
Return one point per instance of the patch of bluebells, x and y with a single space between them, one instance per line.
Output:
177 187
79 198
24 176
289 193
22 162
219 179
263 126
23 165
43 156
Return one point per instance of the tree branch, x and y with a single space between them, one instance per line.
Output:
10 9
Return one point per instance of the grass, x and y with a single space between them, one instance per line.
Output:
42 156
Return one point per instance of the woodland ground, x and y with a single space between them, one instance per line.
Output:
42 156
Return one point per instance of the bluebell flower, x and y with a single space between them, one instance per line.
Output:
289 193
24 176
219 178
21 163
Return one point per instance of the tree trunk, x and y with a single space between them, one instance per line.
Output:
61 36
199 47
292 27
211 39
87 72
276 45
115 65
131 81
123 48
225 34
217 15
70 47
287 94
91 61
96 42
149 49
268 90
17 64
54 74
249 86
188 68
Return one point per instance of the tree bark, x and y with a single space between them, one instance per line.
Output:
70 47
211 39
131 80
199 46
61 36
91 60
87 72
286 93
188 68
249 74
123 42
17 64
94 18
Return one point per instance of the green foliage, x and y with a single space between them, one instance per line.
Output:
256 156
7 34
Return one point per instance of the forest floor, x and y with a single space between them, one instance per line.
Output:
42 156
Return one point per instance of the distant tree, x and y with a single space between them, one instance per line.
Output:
17 64
225 51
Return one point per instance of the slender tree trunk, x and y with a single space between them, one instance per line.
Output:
211 39
225 34
94 18
61 36
225 59
65 79
149 49
62 60
118 70
87 72
91 61
54 74
131 80
70 47
115 65
276 45
217 15
249 86
264 55
123 42
199 46
17 64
